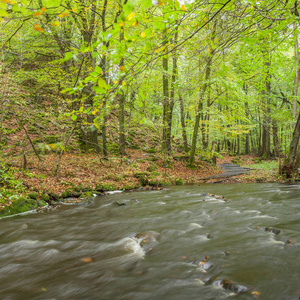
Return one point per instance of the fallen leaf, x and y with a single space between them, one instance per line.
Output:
87 259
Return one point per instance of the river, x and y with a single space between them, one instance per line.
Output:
179 243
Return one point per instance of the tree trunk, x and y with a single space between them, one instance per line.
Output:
166 97
104 108
266 138
121 98
203 88
290 166
297 69
183 126
172 96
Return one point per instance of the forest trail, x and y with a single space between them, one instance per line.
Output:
230 170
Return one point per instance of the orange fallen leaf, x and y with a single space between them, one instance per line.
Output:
256 293
87 259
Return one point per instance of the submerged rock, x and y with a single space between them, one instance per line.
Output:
205 264
118 203
147 240
290 242
231 286
272 230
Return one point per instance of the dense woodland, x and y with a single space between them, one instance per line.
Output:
199 77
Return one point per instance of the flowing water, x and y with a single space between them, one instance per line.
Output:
154 247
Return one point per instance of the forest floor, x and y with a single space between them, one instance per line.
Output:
79 171
81 175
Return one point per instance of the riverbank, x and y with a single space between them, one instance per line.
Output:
80 176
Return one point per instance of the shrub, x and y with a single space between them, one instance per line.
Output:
179 181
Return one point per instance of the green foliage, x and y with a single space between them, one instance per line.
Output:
207 155
179 181
10 187
107 186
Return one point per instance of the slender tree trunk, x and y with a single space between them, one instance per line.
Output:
104 111
121 98
266 137
172 95
203 88
166 99
122 140
297 68
183 126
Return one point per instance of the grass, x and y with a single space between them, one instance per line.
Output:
264 165
264 171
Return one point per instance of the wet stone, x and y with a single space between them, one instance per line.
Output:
119 203
272 230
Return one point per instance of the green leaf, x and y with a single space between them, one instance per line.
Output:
74 118
15 7
98 70
128 8
68 56
102 84
3 13
146 4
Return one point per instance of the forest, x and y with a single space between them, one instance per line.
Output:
99 95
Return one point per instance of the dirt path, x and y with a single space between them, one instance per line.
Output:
230 170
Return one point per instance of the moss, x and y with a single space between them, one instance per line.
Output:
141 174
154 173
151 168
107 187
87 195
41 203
33 196
157 179
19 206
129 187
152 150
141 160
66 194
179 181
153 158
80 188
45 197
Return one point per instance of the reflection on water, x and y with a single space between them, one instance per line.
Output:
177 243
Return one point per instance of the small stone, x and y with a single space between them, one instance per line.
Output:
119 203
